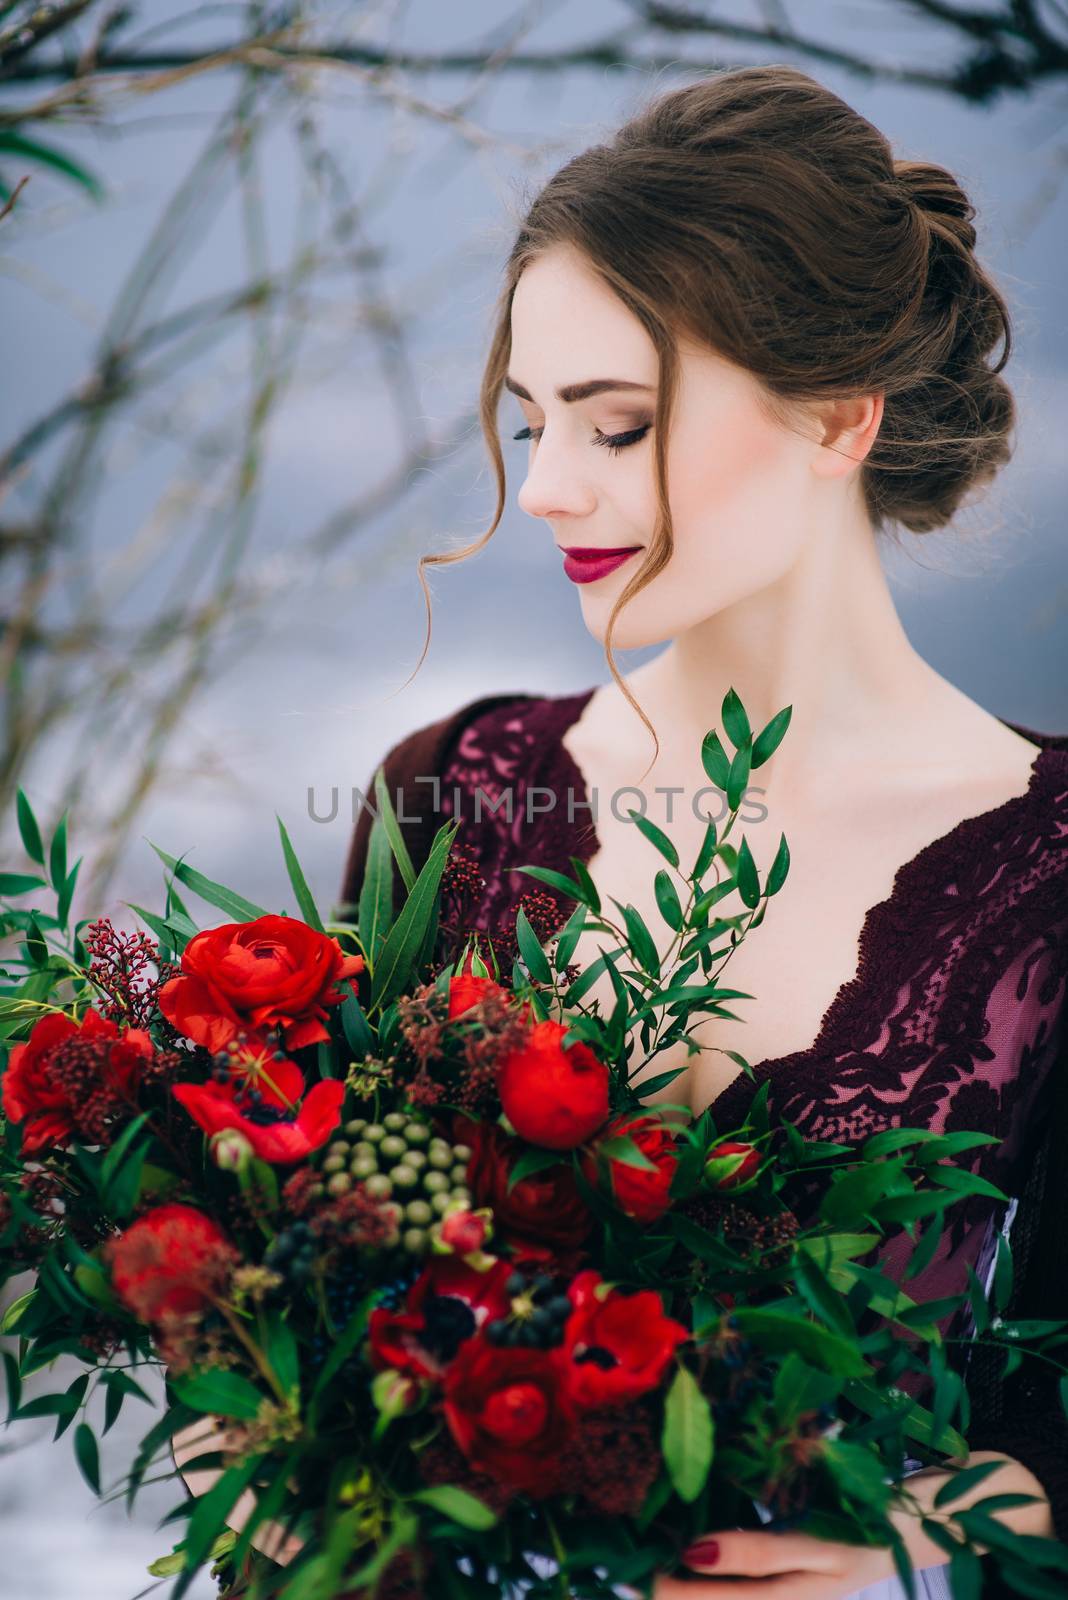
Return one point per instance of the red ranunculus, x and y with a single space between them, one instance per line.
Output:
276 1132
33 1096
544 1214
730 1164
639 1192
467 989
552 1096
173 1259
447 1303
510 1412
619 1344
273 972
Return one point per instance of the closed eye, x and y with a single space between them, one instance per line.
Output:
611 441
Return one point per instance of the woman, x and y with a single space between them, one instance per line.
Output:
747 344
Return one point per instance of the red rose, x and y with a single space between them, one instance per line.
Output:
544 1213
552 1096
639 1192
446 1304
274 972
510 1412
730 1164
35 1093
619 1344
277 1129
174 1259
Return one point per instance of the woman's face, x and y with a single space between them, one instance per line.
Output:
740 487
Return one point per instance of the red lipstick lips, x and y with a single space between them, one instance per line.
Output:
583 565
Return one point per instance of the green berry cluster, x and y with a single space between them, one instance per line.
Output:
399 1159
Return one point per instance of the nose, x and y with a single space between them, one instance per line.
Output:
554 486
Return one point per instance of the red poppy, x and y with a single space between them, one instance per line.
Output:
446 1304
174 1259
553 1096
276 1132
619 1344
641 1193
510 1412
273 972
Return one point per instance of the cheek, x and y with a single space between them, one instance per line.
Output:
736 499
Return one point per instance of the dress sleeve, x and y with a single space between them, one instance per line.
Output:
1023 1415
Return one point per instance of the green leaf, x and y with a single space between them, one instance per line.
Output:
667 898
770 737
715 760
117 1153
734 719
67 895
558 880
568 938
219 1389
216 894
87 1455
961 1181
534 957
15 883
47 155
9 1321
748 879
531 1161
962 1480
1003 1273
387 819
622 1148
738 777
283 1354
31 833
779 868
777 1331
688 1435
459 1505
57 855
655 835
305 898
405 937
374 914
354 1023
209 1517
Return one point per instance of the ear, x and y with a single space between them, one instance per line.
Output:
849 429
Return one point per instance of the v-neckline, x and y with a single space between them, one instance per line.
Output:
847 1000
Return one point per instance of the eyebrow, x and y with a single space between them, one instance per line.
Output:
571 392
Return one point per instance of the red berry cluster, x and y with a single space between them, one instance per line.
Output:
120 969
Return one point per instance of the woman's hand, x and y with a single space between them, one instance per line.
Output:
212 1433
795 1566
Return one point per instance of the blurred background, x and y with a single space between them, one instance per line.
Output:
248 255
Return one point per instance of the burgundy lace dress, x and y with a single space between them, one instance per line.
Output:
957 1016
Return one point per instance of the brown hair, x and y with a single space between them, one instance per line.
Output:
762 216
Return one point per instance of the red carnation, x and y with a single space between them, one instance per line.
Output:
55 1102
277 1129
510 1412
446 1304
639 1192
273 972
552 1096
619 1344
173 1260
544 1213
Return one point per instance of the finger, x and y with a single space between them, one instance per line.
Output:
753 1552
783 1586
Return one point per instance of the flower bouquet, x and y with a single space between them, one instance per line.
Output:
475 1319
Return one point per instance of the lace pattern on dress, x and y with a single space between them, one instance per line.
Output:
959 1004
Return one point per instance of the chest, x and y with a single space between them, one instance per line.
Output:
845 857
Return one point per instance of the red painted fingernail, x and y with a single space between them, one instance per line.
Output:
705 1553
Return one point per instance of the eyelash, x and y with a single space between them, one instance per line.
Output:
613 442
